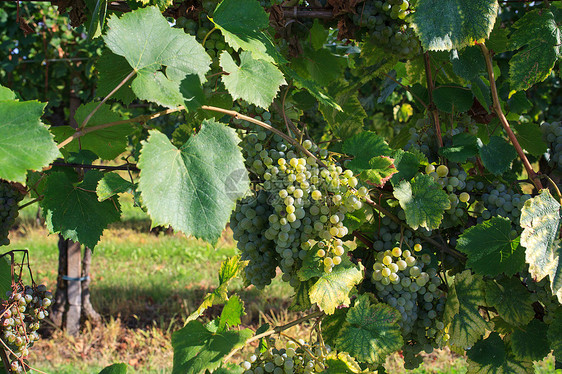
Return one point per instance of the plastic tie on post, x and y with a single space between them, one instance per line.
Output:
81 279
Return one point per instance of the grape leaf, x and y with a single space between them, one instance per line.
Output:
519 103
423 201
112 184
491 356
231 313
321 65
539 37
530 138
332 289
371 332
133 36
453 24
452 99
540 220
196 180
554 334
364 146
115 369
489 248
511 299
241 22
497 155
464 146
256 81
381 169
197 349
341 363
112 70
25 142
107 143
72 209
461 314
530 343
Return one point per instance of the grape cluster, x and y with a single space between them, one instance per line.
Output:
308 202
552 134
503 201
248 223
384 20
422 138
9 199
20 318
295 358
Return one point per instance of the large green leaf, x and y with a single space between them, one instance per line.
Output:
371 332
7 94
461 314
511 299
540 220
241 22
468 63
5 277
381 169
319 65
492 356
490 249
25 142
530 138
115 369
72 209
423 201
453 24
539 36
530 342
407 165
197 349
301 299
194 189
332 325
137 37
107 143
256 81
497 155
332 289
313 88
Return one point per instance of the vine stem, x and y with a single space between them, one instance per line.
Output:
207 35
430 88
277 330
30 203
498 109
87 119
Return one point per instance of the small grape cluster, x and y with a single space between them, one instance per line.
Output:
300 358
9 199
20 318
384 22
552 134
503 201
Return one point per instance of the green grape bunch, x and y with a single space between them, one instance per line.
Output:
9 199
20 318
295 358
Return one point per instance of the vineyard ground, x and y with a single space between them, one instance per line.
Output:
145 285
